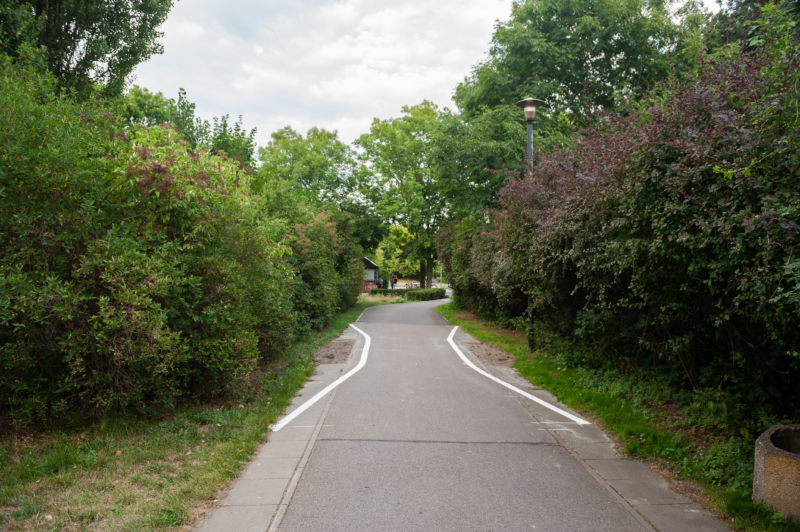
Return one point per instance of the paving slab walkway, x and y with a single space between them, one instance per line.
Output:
417 440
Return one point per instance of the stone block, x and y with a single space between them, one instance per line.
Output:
647 491
776 479
240 519
271 468
257 492
621 469
283 449
681 518
595 451
290 433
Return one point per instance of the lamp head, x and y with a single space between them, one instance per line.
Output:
529 105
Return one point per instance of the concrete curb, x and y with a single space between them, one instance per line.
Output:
258 500
287 497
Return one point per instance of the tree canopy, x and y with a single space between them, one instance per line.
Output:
87 45
319 166
325 172
571 53
406 192
144 108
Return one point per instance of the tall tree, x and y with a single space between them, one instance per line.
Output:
571 53
392 255
407 192
324 171
319 166
142 107
18 26
738 19
91 43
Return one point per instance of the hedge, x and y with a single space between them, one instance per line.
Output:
136 274
389 292
427 294
665 238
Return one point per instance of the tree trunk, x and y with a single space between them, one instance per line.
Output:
690 368
430 271
422 275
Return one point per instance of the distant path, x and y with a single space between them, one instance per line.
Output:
417 440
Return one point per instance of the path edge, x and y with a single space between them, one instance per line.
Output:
622 501
280 513
287 495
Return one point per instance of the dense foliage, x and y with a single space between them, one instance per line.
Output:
394 254
666 236
140 107
412 294
406 190
88 46
134 271
575 54
326 256
426 294
325 172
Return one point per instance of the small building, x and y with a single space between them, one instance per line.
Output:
370 279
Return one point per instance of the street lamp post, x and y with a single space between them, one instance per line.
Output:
529 105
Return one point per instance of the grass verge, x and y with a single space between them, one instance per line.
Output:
132 474
632 410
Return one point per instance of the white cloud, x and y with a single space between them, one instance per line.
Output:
332 64
335 64
183 29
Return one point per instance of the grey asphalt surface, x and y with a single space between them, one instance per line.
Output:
419 441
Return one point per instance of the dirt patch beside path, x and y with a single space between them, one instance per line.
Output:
688 489
335 352
467 316
489 355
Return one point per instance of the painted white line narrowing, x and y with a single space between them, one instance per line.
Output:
305 406
469 363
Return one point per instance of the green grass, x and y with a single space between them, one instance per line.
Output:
136 474
627 408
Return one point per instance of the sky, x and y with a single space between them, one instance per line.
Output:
331 64
335 64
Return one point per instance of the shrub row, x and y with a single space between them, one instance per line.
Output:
396 292
426 294
135 273
414 294
667 236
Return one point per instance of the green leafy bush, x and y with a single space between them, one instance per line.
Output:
481 283
666 237
325 258
399 292
386 292
133 272
426 294
412 294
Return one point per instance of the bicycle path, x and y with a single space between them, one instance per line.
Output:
419 440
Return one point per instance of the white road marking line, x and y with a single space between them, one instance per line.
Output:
469 363
288 419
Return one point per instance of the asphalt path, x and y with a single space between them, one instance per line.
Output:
417 440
